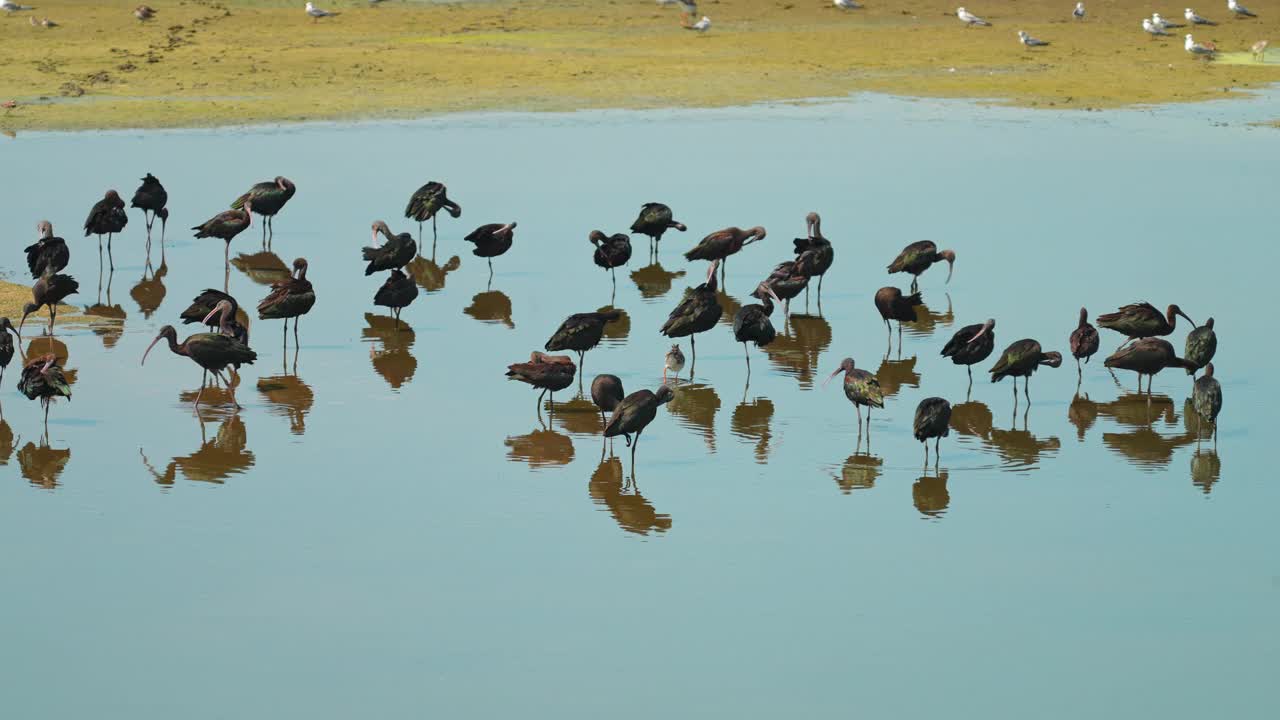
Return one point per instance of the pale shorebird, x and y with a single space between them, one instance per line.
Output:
1204 50
1151 28
316 13
1163 24
1029 41
46 22
144 12
1259 50
11 7
1078 13
1238 9
969 19
701 26
674 362
846 4
1195 19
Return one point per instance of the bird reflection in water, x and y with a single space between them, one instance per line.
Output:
389 350
49 345
430 276
6 439
578 416
1143 445
860 471
972 419
1019 450
217 459
106 320
695 406
893 374
541 448
655 281
928 321
617 331
1206 469
150 290
750 421
263 268
630 510
491 306
729 305
796 351
41 465
1083 413
288 396
929 495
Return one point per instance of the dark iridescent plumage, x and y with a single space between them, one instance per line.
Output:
151 198
720 244
107 216
213 352
751 323
396 293
491 240
49 290
289 298
1084 340
581 332
786 281
861 387
654 220
612 251
920 256
429 200
398 251
6 345
814 254
267 198
1201 346
971 345
225 226
1147 356
698 311
932 420
606 393
1141 320
1206 398
204 303
42 380
634 414
1021 360
550 373
49 254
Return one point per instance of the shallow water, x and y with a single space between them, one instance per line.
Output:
388 528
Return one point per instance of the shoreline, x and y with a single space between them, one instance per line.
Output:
204 64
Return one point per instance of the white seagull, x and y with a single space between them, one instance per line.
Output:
969 19
1162 23
1029 41
1078 13
1195 19
701 26
12 7
316 13
1238 9
846 4
1151 28
1204 50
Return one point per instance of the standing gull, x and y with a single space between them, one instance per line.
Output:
316 13
969 19
1239 10
1195 19
1204 50
11 7
1078 13
1151 28
1163 24
1029 41
847 5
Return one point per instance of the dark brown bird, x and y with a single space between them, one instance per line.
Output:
634 414
548 372
720 244
106 217
396 293
203 304
42 380
971 345
581 332
213 352
1141 320
893 305
266 199
814 254
920 256
1084 341
655 220
223 314
862 388
699 311
1147 356
751 323
426 202
612 251
1021 360
606 393
6 346
933 418
225 226
49 290
150 197
396 254
49 254
290 298
491 241
786 281
1206 400
1201 346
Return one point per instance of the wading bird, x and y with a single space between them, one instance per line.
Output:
6 344
396 254
655 219
49 254
612 251
674 362
1084 341
606 393
1201 345
213 352
1028 41
267 199
1195 19
920 256
719 245
932 421
426 202
814 253
970 20
862 388
224 312
786 281
893 305
699 311
1206 399
150 197
751 323
491 241
49 290
201 307
1259 51
634 414
290 298
971 345
1021 360
225 226
1141 320
550 373
396 293
42 380
1238 9
106 217
1147 356
581 332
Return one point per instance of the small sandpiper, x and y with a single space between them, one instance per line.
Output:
675 362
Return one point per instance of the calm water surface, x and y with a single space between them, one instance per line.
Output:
388 528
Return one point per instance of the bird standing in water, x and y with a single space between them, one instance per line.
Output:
699 311
550 373
426 202
862 388
290 298
1201 346
920 256
606 393
655 220
634 414
226 226
581 332
751 323
213 352
612 252
719 245
396 293
674 362
814 254
491 241
151 198
1206 399
267 199
106 217
1142 320
397 253
1021 360
1147 356
932 421
49 254
49 290
971 345
893 305
42 380
6 345
1084 341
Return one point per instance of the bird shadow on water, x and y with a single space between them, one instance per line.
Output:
608 489
219 457
1018 450
389 350
654 281
491 307
893 374
288 396
860 470
616 331
41 464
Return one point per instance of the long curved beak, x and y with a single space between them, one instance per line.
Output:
209 317
772 294
1193 322
148 352
977 335
375 238
828 380
20 324
951 266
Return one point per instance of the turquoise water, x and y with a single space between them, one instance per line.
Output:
388 529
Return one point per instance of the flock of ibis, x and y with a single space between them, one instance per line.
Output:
225 347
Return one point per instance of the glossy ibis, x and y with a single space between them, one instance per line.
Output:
634 414
971 345
225 226
699 311
933 419
1206 398
49 254
719 245
1021 360
862 388
814 253
580 332
150 197
6 344
1141 320
227 326
1147 356
1084 341
606 393
1201 345
106 217
213 352
42 380
397 253
204 304
491 241
786 281
266 199
920 256
654 220
428 200
612 251
49 290
290 298
751 323
893 305
674 362
549 373
396 293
